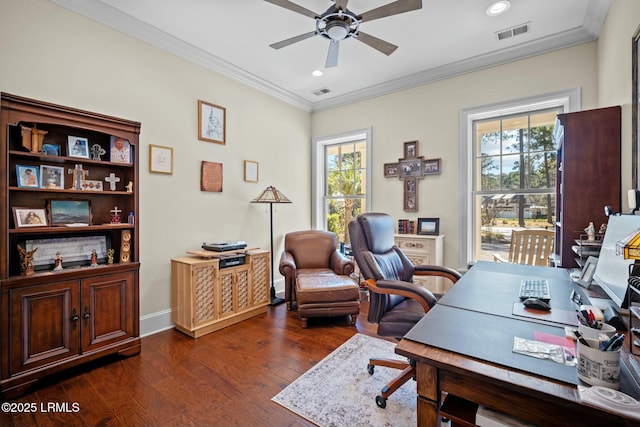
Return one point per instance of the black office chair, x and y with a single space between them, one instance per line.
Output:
395 303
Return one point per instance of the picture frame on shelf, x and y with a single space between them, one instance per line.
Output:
212 124
410 200
432 167
77 146
67 212
119 150
411 167
588 270
250 171
160 159
29 217
28 176
391 170
52 177
411 149
92 185
429 226
51 149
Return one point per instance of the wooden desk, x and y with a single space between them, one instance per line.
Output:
443 366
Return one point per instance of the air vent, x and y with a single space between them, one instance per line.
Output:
514 31
320 92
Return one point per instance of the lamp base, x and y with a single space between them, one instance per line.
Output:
276 301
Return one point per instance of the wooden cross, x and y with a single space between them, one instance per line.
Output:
410 169
112 179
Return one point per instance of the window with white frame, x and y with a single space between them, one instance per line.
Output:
341 181
508 166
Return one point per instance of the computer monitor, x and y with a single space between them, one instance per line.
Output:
612 270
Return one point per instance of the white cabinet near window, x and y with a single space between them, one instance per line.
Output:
425 250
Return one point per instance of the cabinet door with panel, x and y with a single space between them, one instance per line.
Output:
260 277
234 289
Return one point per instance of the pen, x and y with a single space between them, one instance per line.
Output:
615 346
604 345
581 338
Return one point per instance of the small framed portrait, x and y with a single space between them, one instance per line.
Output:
28 176
29 217
411 149
212 122
429 226
250 171
411 167
586 275
160 159
120 150
52 177
63 212
410 191
51 149
77 147
432 166
391 170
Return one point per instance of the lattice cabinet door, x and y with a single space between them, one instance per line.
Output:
204 296
234 289
260 276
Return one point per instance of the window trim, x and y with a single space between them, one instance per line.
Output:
317 170
569 100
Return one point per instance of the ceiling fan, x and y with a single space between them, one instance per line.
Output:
339 23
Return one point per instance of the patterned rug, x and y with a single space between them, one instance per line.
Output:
338 391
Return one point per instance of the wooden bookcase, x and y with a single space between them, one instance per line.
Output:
52 320
588 175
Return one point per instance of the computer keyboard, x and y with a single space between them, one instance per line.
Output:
535 288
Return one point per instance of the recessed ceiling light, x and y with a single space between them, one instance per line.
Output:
316 73
498 7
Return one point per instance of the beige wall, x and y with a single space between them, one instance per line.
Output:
52 54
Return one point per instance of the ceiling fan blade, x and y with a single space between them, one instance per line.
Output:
399 6
376 43
292 40
293 7
332 55
341 4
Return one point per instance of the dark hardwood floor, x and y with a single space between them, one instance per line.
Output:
226 378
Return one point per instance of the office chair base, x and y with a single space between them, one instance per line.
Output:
408 372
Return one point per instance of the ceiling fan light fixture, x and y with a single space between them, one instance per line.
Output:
337 30
498 7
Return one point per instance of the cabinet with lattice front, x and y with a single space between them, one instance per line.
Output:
205 297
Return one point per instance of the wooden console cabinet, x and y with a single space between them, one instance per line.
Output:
205 298
53 320
425 250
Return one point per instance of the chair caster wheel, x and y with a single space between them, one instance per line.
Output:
370 368
381 402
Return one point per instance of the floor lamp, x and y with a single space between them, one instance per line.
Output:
272 195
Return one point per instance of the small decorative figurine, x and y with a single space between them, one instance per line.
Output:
79 175
97 151
26 260
603 228
110 253
129 187
94 258
115 215
58 262
112 179
591 232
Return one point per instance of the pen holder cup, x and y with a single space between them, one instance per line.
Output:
594 334
597 367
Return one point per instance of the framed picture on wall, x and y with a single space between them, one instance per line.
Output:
160 159
391 170
250 171
212 122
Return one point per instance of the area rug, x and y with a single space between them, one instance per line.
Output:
338 391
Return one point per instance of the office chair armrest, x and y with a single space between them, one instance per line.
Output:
340 264
287 264
437 270
406 289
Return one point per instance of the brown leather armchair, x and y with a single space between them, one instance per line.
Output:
317 277
396 304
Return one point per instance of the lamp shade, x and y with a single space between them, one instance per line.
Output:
271 195
629 246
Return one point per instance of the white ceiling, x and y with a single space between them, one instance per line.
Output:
444 38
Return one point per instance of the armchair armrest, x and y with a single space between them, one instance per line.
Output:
340 264
406 289
499 258
437 270
287 265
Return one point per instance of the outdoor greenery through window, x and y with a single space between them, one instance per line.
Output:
345 185
515 178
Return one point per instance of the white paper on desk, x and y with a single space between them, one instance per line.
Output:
543 350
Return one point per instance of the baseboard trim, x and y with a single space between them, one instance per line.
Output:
155 322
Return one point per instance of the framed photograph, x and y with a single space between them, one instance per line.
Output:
391 170
250 171
429 226
410 203
411 167
77 147
160 159
212 123
211 177
29 217
119 150
52 177
411 149
431 167
64 212
28 176
586 275
51 149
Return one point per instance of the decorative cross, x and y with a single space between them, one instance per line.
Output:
79 175
97 151
112 179
410 169
115 215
